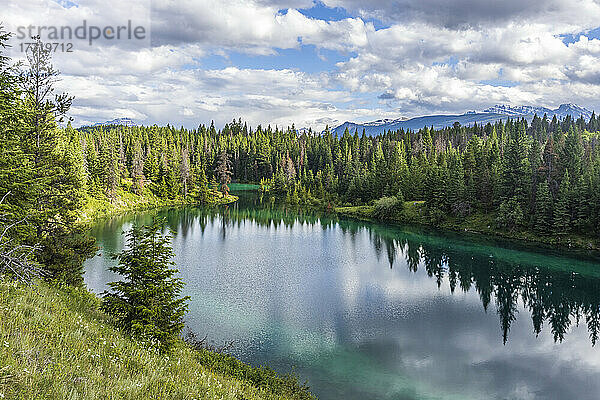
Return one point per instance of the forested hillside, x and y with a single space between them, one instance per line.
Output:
52 176
543 176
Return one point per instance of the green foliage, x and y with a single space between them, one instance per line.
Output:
58 344
510 214
41 166
543 209
436 216
388 207
146 302
561 219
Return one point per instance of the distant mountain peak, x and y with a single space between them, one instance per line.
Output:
562 111
117 121
491 115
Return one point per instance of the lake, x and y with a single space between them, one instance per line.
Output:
369 311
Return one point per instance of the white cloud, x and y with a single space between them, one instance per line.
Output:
431 58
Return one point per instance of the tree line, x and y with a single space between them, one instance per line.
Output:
542 175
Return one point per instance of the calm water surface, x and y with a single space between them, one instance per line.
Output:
367 311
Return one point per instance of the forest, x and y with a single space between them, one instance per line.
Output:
541 176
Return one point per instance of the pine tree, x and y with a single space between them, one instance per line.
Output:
137 169
56 182
515 167
203 190
562 219
543 208
572 153
147 302
223 172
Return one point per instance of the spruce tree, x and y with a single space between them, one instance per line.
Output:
543 208
515 167
56 184
147 302
562 218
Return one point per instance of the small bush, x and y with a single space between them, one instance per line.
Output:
436 216
387 207
510 215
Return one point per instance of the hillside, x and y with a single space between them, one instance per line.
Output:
56 344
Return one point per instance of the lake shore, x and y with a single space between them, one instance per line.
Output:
481 224
124 202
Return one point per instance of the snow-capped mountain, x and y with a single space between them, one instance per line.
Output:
117 121
573 110
562 111
491 115
517 110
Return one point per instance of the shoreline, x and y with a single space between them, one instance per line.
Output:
476 224
98 209
567 242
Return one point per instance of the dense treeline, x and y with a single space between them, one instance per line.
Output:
40 171
542 176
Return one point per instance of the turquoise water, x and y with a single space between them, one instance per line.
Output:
367 311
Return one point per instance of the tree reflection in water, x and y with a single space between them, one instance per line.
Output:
555 294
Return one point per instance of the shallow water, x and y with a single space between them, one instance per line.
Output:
367 311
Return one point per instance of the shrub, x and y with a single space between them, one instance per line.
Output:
436 216
510 215
387 207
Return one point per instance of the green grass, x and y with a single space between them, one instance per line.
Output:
100 206
55 343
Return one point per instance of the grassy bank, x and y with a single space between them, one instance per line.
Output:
414 213
100 206
55 343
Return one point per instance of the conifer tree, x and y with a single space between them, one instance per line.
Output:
56 183
147 302
223 172
515 167
562 218
543 208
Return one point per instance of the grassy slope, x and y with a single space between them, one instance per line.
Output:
100 207
56 344
414 213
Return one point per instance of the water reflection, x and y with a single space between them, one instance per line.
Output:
373 311
557 297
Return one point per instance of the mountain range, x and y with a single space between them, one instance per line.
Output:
117 121
491 115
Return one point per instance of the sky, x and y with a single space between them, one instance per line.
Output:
313 63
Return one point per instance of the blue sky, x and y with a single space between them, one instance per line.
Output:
317 63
